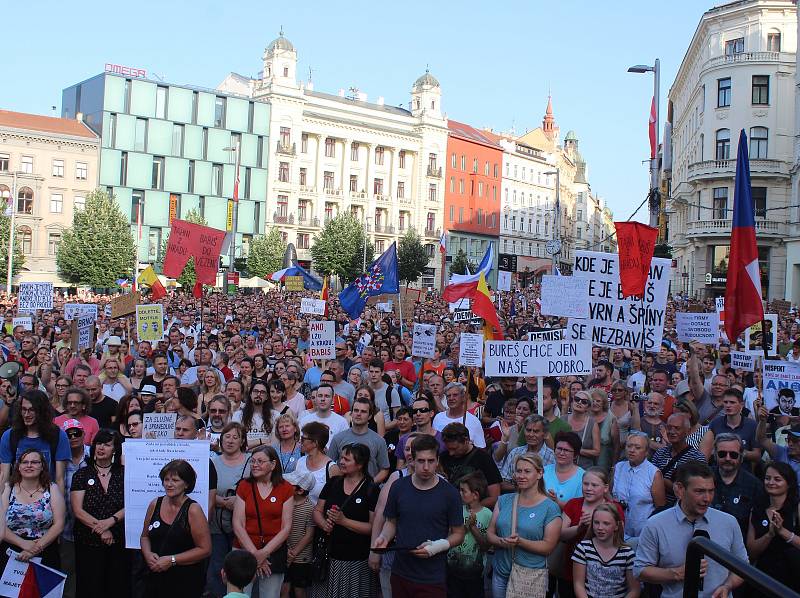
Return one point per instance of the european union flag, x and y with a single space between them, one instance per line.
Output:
379 279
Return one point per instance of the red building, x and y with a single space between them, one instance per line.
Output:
472 193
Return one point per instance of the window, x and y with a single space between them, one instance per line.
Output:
283 206
81 171
205 143
140 139
247 175
56 203
461 186
219 112
773 42
401 189
216 179
401 221
452 184
154 244
402 157
463 162
380 245
734 46
327 180
377 187
353 183
329 211
486 169
452 160
112 129
480 216
723 92
126 107
161 102
378 216
720 203
79 203
304 143
4 160
759 201
379 155
480 188
432 192
251 110
723 144
285 135
330 147
283 172
58 168
190 183
758 143
158 173
123 168
304 176
53 241
26 164
260 152
26 238
303 240
761 89
25 201
430 222
5 195
475 165
302 210
460 215
354 152
195 98
177 140
452 213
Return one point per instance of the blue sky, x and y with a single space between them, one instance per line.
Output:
495 61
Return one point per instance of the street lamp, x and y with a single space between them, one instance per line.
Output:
656 70
12 208
553 246
366 239
234 211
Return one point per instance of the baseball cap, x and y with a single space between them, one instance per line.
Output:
306 481
71 424
794 430
681 388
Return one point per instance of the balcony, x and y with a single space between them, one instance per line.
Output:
308 222
380 198
749 57
306 190
331 192
436 233
405 201
285 148
725 169
283 218
359 196
386 229
764 228
435 172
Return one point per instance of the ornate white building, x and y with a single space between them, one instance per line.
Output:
738 73
331 153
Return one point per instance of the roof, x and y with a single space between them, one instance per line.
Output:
372 106
469 133
426 80
45 124
571 136
280 43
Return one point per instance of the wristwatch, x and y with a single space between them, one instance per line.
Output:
172 560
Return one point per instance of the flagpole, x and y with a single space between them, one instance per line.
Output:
400 309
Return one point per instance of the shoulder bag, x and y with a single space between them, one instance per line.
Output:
224 516
524 582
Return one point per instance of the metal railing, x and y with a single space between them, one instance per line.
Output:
700 547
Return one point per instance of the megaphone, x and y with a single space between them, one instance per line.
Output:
9 370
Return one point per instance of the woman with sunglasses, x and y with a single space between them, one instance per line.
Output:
584 425
127 405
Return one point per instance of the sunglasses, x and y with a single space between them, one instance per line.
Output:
728 454
582 401
74 434
421 410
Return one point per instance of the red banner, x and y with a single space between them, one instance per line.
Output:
187 240
636 243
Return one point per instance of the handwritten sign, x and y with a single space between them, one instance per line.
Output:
150 322
556 334
322 340
35 295
470 350
16 570
565 296
203 243
544 358
25 321
423 340
385 307
73 310
742 360
125 305
701 327
312 306
294 283
778 375
83 332
159 425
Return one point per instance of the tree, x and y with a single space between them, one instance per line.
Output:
98 249
19 257
188 276
266 253
461 263
412 259
339 248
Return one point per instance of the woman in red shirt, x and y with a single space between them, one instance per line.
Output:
262 519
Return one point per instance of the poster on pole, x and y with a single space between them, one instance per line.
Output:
83 329
742 360
125 305
470 350
294 283
35 295
614 321
322 340
73 310
25 321
700 327
503 281
543 358
778 375
565 296
423 340
150 322
159 426
312 306
143 462
554 334
753 336
385 307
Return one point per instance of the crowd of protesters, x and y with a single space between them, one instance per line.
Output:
378 473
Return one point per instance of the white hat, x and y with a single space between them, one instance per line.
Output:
148 389
305 480
114 341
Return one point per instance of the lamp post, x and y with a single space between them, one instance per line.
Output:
234 219
654 203
13 209
366 240
553 246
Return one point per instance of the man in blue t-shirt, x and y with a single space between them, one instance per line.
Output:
419 508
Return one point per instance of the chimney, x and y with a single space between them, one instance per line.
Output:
341 93
380 100
362 96
79 116
310 86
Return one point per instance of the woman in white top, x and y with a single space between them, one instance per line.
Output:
638 485
313 440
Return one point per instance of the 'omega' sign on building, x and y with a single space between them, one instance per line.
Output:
128 71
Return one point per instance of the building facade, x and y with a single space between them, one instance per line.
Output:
334 153
167 149
47 167
738 73
793 237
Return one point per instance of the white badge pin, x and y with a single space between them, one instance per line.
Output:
156 524
358 501
765 523
736 500
532 515
272 499
90 482
149 528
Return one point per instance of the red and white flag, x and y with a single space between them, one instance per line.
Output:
443 243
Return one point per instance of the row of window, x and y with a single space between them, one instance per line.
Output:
305 211
486 165
759 144
355 148
720 210
540 178
25 200
531 249
736 46
58 167
472 187
25 235
759 91
512 220
475 217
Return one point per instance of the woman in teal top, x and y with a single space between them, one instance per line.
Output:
538 525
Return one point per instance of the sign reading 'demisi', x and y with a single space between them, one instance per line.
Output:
543 358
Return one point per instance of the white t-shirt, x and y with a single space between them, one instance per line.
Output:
636 381
335 422
116 391
473 425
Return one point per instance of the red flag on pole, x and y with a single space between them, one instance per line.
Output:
651 129
636 243
203 243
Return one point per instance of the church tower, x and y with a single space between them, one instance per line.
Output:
549 126
280 63
426 96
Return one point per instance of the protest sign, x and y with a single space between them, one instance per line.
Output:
503 281
470 352
465 315
73 310
423 340
385 307
35 295
143 462
742 360
312 306
555 334
150 322
25 321
701 327
294 283
16 570
159 425
615 321
125 304
777 375
542 358
565 296
83 332
322 340
719 303
753 336
635 245
203 243
107 310
460 304
781 306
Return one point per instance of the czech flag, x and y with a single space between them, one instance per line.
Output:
42 582
443 243
743 305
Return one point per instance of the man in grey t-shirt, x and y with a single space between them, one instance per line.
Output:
359 433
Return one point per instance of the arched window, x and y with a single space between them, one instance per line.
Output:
25 239
25 201
5 194
758 142
723 144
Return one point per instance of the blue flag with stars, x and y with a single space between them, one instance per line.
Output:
379 279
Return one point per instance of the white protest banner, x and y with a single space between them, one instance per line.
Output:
322 340
460 304
35 295
159 425
566 296
470 351
503 280
107 310
143 462
556 334
25 321
464 315
777 375
150 322
701 327
73 310
86 331
543 358
741 360
309 305
384 307
13 575
753 336
615 321
424 340
16 570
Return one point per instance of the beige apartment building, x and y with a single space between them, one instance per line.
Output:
47 167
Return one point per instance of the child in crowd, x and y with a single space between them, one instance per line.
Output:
602 564
466 562
238 571
298 575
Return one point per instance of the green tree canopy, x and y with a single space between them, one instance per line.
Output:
339 248
98 249
266 253
460 264
412 259
19 257
188 276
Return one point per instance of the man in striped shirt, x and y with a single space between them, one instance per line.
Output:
678 452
